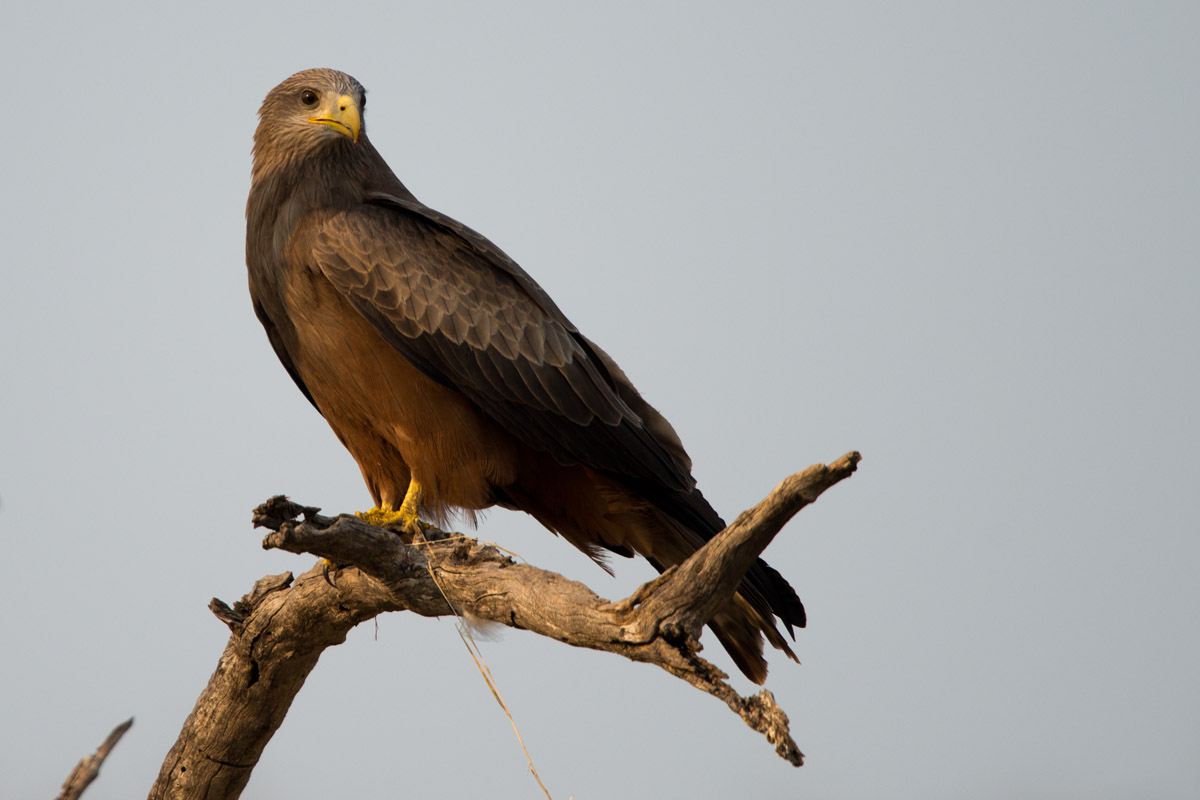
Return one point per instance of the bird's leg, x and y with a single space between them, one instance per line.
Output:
410 507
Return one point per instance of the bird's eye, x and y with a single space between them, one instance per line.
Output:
308 97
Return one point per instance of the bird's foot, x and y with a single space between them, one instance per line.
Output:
402 520
384 517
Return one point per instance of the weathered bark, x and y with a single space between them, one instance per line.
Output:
281 627
279 630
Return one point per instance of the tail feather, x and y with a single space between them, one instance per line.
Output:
742 624
737 627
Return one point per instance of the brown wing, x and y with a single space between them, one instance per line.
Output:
277 345
487 333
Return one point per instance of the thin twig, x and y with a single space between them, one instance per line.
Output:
468 640
473 649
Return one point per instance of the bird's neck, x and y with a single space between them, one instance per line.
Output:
282 193
318 183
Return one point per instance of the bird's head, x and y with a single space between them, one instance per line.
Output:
310 113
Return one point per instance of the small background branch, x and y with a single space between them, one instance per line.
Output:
88 768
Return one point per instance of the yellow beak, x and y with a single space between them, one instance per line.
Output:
342 115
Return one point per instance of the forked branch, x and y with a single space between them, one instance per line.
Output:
281 627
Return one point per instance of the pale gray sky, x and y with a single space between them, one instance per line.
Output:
963 240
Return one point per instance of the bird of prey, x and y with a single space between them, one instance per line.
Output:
451 376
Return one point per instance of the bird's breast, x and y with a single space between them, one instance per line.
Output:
376 401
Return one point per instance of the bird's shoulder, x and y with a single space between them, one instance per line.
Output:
423 273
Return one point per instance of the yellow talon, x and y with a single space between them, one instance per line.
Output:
329 571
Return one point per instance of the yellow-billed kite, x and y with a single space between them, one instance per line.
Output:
449 374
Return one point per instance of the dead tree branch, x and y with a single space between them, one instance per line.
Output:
281 627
